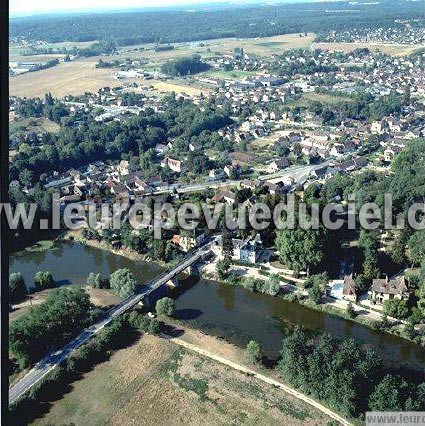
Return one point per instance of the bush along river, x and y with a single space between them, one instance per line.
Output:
233 313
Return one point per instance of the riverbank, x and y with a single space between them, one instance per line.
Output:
363 315
157 381
122 251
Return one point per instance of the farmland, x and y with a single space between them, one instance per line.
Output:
390 49
67 78
155 382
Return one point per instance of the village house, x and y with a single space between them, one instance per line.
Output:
123 167
391 151
161 149
189 239
175 165
224 197
247 250
277 165
344 289
386 289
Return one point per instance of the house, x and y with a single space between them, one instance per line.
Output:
250 184
224 197
195 146
231 170
379 127
277 165
123 167
349 291
386 289
344 289
248 250
189 239
175 165
216 174
324 172
161 148
391 151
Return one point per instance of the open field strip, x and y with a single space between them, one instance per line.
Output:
261 377
391 49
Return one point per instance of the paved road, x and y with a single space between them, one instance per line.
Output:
296 172
50 361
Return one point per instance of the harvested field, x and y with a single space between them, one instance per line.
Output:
171 86
265 46
156 382
67 78
391 49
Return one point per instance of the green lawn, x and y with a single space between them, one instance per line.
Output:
326 99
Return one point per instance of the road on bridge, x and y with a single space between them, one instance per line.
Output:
50 361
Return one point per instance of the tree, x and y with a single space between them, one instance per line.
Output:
43 280
17 287
416 246
94 280
301 249
154 327
316 293
272 285
350 310
165 306
49 324
390 394
123 282
361 282
396 308
222 268
227 244
253 351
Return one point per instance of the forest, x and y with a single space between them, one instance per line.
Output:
167 26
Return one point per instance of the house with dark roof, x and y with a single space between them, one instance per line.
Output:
344 289
386 289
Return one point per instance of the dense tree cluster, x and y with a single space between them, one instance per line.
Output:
123 282
184 66
347 377
50 324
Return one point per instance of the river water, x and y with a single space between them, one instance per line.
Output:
233 313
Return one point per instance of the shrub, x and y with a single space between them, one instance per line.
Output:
43 280
17 287
165 306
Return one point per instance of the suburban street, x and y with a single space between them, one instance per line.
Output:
296 172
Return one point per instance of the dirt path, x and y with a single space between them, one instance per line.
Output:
259 376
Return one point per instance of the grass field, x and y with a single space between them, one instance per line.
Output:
170 86
67 78
154 382
265 46
39 124
309 97
391 49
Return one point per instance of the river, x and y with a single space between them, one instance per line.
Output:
233 313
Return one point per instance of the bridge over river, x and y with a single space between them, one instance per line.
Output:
50 361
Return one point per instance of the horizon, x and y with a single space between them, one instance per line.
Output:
22 8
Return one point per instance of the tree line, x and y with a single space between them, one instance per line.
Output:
238 21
